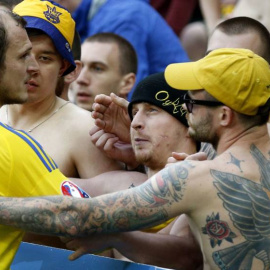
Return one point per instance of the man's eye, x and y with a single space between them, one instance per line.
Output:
134 113
26 55
153 110
44 58
97 68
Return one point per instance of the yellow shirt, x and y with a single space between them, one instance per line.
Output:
25 170
159 227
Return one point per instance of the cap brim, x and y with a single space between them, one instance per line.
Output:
182 77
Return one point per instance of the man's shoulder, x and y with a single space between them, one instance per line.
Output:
74 121
235 164
77 115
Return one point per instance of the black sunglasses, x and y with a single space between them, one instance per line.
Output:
190 102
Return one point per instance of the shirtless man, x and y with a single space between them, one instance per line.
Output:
157 129
236 32
61 127
226 198
239 32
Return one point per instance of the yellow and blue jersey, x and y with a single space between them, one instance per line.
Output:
26 170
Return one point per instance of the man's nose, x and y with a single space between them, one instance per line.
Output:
137 121
83 78
32 65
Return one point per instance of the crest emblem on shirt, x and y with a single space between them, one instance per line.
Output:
70 189
52 15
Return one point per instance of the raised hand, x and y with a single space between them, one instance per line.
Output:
111 115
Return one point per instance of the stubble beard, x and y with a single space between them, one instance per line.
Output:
7 98
150 160
203 131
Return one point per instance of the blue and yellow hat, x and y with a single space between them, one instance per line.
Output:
54 20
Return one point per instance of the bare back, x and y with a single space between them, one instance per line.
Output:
230 211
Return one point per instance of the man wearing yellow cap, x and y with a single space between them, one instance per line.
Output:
227 199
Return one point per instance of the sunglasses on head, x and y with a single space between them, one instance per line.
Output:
190 102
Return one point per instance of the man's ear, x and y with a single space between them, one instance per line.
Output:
64 67
72 76
226 116
126 84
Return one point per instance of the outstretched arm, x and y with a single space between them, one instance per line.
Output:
155 201
176 248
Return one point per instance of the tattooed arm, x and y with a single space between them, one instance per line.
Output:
146 205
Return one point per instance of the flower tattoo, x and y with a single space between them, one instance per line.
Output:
217 230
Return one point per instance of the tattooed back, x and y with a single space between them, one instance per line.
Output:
230 210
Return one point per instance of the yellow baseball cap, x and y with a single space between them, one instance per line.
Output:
238 78
54 20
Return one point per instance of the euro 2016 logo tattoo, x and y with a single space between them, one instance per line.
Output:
217 230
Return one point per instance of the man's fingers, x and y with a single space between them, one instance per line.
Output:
103 100
179 156
93 130
100 123
200 156
96 136
123 103
103 139
109 145
99 109
77 254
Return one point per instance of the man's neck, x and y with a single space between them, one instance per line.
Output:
248 136
27 116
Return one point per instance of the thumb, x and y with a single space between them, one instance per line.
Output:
123 103
75 255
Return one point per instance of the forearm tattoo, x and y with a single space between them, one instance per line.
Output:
170 184
132 209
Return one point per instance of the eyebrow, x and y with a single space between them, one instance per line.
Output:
97 63
54 52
